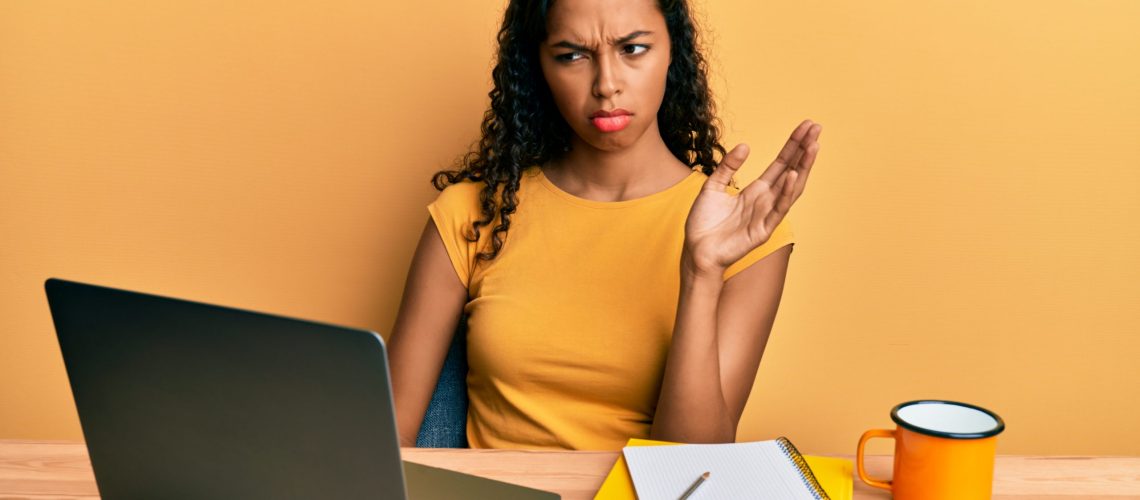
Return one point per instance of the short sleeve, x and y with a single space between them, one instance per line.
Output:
781 236
453 211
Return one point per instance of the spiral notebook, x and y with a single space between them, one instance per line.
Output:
773 469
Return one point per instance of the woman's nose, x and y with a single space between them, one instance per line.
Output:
607 82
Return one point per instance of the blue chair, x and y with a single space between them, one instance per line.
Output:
445 421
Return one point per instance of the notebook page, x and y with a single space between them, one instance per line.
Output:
736 470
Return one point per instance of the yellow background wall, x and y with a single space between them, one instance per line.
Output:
969 231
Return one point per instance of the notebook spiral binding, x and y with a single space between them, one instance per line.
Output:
805 472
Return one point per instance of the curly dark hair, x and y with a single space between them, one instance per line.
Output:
523 127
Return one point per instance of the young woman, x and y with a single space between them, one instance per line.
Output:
617 283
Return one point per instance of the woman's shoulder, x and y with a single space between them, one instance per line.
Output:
463 194
469 192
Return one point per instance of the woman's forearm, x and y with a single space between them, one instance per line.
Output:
691 407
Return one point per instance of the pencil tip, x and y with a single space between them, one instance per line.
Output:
705 475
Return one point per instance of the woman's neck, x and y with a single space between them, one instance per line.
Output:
641 169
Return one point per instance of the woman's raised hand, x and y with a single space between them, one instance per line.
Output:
722 228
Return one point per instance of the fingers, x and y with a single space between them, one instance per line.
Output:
728 167
783 204
786 176
803 167
801 161
788 153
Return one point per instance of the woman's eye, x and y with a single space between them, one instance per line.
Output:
636 45
631 49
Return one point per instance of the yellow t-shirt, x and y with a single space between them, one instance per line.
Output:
569 326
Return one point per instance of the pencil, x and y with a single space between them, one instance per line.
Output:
694 486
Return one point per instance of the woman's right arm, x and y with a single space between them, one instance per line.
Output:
429 313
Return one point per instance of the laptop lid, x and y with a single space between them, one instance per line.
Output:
179 399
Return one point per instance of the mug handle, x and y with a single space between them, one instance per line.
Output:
874 433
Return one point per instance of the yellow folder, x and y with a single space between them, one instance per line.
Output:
833 474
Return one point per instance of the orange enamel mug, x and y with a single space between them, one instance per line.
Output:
943 450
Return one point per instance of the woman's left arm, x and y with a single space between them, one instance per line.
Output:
721 327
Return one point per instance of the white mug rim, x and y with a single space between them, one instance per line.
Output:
997 429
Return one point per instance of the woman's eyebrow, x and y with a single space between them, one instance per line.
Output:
619 41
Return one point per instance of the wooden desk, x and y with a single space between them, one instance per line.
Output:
47 469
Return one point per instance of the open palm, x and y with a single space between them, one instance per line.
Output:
723 227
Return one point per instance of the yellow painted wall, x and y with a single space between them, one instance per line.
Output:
969 232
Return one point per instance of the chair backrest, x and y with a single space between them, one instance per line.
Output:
445 421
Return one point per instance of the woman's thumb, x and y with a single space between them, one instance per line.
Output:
730 164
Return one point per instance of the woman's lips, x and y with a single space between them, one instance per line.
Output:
610 123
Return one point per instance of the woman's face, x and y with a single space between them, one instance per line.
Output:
606 55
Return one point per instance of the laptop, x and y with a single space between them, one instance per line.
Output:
181 399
